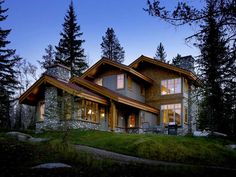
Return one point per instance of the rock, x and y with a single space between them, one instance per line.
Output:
25 137
52 165
19 136
200 133
232 146
36 140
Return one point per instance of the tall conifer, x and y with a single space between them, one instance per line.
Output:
69 50
111 47
160 53
8 80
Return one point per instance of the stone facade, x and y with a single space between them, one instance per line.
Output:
58 71
186 62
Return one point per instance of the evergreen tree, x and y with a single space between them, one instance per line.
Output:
48 58
111 47
8 80
222 77
212 64
160 53
176 60
69 50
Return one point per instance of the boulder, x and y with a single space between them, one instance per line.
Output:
52 166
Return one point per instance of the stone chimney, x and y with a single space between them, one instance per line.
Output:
59 71
186 62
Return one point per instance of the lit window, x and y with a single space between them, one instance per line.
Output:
131 121
88 110
41 111
120 81
129 83
171 86
98 81
171 113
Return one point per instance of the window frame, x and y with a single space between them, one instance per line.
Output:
118 80
172 86
165 112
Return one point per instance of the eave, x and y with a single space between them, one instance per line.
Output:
113 95
184 72
103 61
61 85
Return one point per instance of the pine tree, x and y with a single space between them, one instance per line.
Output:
48 58
111 47
176 60
8 80
160 53
212 64
69 50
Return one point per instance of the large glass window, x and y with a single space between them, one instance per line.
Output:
88 110
171 86
120 81
171 113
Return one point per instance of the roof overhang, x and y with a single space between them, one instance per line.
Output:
30 94
114 96
186 73
104 61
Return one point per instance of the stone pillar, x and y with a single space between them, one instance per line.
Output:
190 118
51 119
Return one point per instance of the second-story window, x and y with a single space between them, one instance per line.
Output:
120 81
98 81
171 86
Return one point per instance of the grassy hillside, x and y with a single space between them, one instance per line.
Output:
193 150
17 158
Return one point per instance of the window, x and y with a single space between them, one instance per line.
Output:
120 81
41 110
99 81
171 86
131 121
171 113
88 110
129 83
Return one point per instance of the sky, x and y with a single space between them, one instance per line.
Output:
37 23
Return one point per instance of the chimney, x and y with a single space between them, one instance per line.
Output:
186 62
59 71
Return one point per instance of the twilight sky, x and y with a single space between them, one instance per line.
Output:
37 23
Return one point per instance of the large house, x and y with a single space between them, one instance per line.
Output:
146 95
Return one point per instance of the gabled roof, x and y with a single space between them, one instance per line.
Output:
184 72
92 70
114 95
33 91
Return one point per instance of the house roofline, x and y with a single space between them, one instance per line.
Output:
187 73
118 65
64 86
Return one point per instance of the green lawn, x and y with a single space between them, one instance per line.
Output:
17 158
193 150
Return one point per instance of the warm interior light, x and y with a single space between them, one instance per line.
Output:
90 111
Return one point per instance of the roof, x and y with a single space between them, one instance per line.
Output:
114 95
186 73
33 91
92 70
